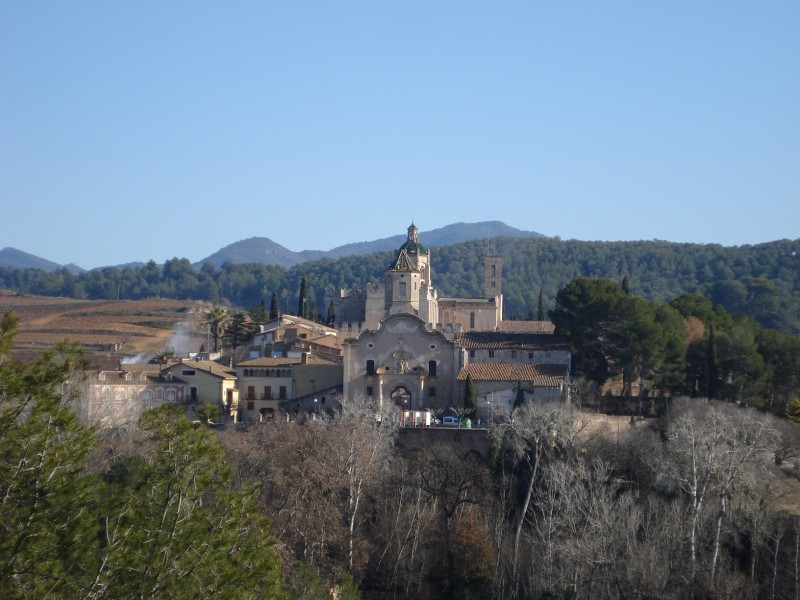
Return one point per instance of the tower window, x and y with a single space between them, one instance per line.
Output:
472 320
432 368
401 289
370 367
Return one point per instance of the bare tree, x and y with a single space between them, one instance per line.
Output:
711 448
536 432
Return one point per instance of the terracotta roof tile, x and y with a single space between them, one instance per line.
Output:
539 375
498 340
526 326
141 367
209 366
267 361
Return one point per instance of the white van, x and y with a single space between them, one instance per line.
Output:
451 421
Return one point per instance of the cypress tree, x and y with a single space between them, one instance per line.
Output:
331 320
519 400
470 396
540 315
711 363
302 303
274 307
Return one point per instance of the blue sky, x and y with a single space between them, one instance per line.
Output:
139 130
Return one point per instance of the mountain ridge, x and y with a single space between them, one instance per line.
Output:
266 251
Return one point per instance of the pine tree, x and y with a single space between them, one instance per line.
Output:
258 314
48 533
176 529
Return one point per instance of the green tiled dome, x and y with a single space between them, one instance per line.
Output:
412 245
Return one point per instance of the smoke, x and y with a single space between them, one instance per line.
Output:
180 343
140 359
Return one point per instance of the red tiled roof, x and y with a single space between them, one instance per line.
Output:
539 375
141 367
498 340
209 366
526 326
268 361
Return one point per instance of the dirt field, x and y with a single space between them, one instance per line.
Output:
108 331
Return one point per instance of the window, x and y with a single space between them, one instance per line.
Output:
472 353
401 289
251 392
432 392
491 353
187 372
267 392
282 392
513 354
494 272
472 320
369 390
432 368
159 393
251 405
370 367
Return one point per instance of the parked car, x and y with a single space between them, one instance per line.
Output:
450 421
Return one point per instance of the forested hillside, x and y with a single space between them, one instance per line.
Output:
761 281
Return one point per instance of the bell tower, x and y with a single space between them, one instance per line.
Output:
492 276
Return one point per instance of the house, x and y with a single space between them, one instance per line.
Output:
207 381
117 398
290 336
514 347
269 386
496 385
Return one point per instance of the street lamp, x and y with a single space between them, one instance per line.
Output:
315 408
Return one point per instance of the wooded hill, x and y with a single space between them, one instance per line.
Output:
761 281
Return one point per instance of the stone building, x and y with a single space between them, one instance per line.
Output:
408 345
117 398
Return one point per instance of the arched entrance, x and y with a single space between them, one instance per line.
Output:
401 397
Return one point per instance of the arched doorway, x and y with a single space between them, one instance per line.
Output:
401 397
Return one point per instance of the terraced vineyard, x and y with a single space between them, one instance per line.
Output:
109 331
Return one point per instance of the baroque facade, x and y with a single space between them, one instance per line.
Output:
410 346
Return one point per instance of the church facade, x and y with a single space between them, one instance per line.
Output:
404 341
